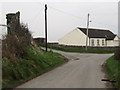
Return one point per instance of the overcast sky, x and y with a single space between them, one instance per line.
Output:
63 17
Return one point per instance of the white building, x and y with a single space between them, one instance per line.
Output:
96 37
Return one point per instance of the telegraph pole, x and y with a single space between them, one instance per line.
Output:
46 27
87 31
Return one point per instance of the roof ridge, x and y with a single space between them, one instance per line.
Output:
93 28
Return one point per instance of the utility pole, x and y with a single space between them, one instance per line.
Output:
46 27
87 31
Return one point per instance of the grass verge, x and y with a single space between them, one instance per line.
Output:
113 71
79 51
35 63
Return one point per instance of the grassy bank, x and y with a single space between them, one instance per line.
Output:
113 70
35 63
78 50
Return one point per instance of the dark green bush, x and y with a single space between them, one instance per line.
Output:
117 54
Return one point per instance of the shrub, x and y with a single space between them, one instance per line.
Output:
117 54
15 43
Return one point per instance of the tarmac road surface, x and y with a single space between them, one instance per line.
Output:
81 71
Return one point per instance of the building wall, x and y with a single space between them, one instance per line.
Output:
97 42
74 38
78 38
110 42
114 42
105 43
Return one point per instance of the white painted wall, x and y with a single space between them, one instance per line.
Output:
100 42
78 38
74 38
110 42
116 38
114 42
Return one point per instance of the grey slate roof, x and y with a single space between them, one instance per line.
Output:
99 33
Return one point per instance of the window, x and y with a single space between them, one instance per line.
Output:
98 43
103 43
92 43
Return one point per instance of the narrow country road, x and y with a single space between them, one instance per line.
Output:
82 71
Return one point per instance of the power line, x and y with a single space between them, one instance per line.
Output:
78 17
35 17
98 23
